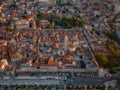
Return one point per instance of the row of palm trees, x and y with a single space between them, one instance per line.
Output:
56 87
29 87
93 87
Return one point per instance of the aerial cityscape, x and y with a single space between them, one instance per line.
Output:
59 44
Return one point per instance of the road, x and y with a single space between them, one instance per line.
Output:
57 70
34 80
29 82
78 80
89 80
87 39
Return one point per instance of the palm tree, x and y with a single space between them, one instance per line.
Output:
17 86
29 86
110 88
93 87
57 87
0 85
69 87
39 87
82 88
43 87
75 87
52 86
35 87
49 87
11 86
5 86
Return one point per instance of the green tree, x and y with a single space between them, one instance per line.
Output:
113 71
50 26
102 59
111 46
10 28
110 35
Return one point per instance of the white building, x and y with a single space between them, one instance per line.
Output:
117 9
22 24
